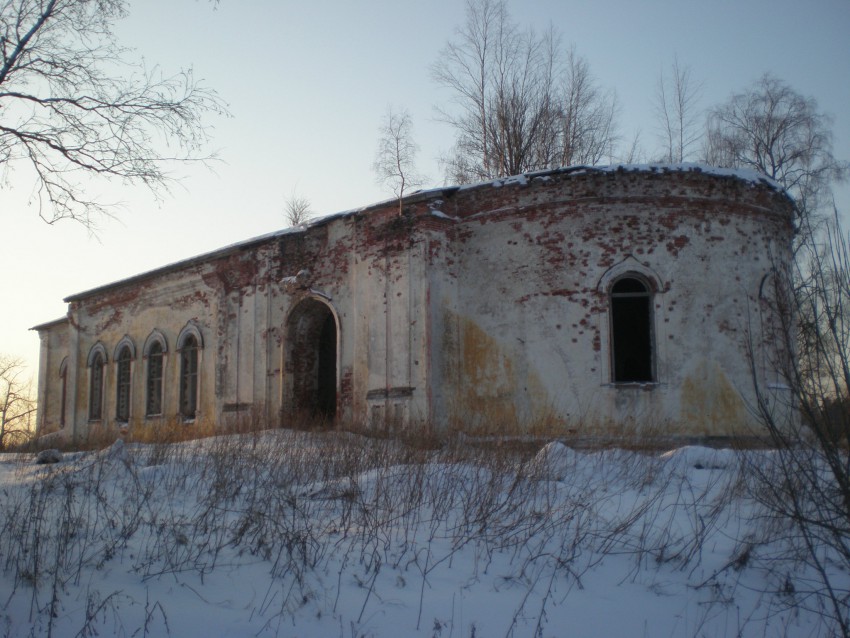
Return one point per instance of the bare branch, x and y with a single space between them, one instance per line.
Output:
587 116
519 105
297 209
679 120
17 405
395 158
807 481
73 106
776 131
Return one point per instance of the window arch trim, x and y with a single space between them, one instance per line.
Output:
649 285
630 267
96 349
155 337
125 342
190 329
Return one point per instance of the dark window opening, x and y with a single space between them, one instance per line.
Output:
122 388
96 388
189 378
63 375
326 382
153 405
631 331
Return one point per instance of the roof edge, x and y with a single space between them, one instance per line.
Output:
184 263
50 324
746 175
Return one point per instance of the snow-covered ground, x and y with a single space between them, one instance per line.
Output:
332 534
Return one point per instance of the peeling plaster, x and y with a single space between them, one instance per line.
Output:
482 300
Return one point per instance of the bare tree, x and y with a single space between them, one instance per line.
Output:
464 67
634 153
676 98
774 130
803 391
502 81
395 158
521 109
520 104
586 116
73 105
17 405
297 209
806 484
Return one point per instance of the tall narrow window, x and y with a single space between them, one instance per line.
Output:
96 387
189 377
154 400
63 376
631 331
122 386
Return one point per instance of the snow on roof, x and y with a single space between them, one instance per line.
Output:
744 174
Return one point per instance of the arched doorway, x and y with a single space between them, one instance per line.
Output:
312 343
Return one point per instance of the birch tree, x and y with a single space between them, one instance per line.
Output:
519 102
395 157
586 116
679 119
773 129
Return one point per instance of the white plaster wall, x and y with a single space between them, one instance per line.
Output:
531 335
492 314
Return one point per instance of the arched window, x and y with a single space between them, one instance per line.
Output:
189 345
154 352
153 405
96 365
122 384
189 377
632 356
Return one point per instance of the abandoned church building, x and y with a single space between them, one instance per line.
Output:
606 301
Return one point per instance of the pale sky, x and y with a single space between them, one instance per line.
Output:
308 82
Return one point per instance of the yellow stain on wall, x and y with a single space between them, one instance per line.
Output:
711 403
489 391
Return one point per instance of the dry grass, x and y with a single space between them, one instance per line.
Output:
333 505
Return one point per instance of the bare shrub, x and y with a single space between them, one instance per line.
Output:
324 510
805 489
